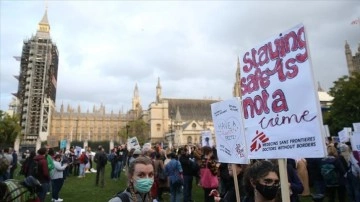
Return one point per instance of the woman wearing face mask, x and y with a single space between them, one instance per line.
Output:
262 183
140 181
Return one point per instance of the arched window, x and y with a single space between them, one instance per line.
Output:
189 139
158 126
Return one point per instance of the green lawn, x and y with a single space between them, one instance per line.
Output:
84 189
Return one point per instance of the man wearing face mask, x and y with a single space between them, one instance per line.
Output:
140 180
262 182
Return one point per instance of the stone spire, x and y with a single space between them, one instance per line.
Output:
158 91
178 115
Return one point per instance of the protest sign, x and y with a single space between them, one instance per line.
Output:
344 135
327 131
282 115
52 141
229 131
355 141
78 151
133 143
206 139
356 127
62 144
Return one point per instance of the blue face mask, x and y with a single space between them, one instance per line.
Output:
143 185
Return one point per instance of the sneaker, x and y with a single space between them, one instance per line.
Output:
60 199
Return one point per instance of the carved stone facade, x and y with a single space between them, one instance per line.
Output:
353 62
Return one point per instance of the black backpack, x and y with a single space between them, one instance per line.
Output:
35 168
86 159
123 196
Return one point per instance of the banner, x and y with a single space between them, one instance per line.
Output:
355 141
206 139
279 99
133 143
229 131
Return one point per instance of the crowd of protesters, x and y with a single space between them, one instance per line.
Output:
173 172
259 181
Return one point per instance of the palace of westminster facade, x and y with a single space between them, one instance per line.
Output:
179 121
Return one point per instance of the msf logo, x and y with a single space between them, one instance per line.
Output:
258 140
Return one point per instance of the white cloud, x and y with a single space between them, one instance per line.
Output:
106 47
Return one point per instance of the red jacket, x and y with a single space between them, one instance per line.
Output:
44 175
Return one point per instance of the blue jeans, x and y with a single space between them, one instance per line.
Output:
175 192
56 187
118 168
187 187
44 189
82 169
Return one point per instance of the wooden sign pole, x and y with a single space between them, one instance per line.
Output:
237 193
285 192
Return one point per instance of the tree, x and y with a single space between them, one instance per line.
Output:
139 129
345 108
9 128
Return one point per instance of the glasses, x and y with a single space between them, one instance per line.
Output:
268 181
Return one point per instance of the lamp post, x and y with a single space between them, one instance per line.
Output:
171 127
127 131
77 124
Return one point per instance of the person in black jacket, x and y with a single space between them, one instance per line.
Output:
295 184
188 172
230 195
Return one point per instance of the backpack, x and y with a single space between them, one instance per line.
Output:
4 164
123 196
86 159
161 174
329 173
102 159
35 168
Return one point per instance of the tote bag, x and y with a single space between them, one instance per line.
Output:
208 180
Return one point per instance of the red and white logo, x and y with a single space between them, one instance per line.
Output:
258 140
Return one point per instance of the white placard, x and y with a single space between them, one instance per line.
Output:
133 143
279 97
355 141
344 135
356 127
327 131
206 138
229 131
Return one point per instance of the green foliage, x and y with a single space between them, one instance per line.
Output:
9 128
345 108
140 129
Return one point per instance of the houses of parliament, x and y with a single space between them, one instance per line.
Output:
170 120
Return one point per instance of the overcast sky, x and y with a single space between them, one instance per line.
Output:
106 47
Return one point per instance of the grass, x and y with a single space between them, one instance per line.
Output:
84 189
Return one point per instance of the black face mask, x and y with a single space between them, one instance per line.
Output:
268 192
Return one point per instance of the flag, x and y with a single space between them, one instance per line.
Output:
356 22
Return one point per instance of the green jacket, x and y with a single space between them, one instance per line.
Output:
50 163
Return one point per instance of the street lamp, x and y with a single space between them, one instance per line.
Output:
171 126
127 131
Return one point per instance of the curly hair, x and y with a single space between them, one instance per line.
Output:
257 171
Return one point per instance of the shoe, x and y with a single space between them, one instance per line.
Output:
60 199
48 193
